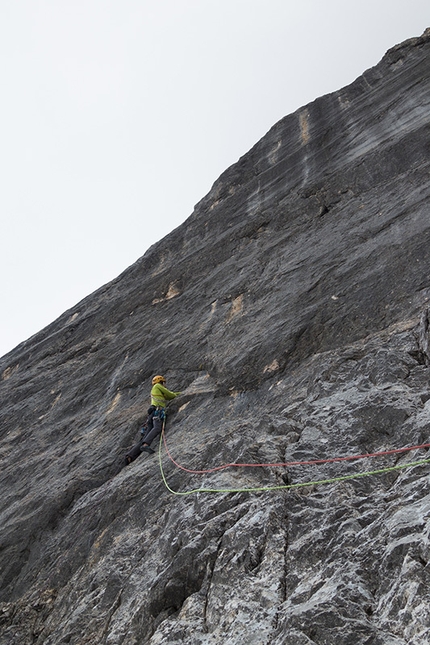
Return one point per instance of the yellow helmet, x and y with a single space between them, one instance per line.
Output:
158 379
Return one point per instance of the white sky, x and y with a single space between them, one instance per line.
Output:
117 116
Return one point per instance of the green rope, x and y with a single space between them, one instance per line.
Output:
261 489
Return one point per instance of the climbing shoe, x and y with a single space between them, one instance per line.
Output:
147 449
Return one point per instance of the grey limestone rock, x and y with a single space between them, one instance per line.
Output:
291 309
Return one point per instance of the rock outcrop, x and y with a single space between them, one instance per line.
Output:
291 309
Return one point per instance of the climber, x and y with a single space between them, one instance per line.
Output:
160 396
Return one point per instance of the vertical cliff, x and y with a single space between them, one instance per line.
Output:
291 310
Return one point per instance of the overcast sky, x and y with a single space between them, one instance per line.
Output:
117 116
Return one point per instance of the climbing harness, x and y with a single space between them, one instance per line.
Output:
256 489
160 412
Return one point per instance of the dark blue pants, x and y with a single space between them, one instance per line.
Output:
156 429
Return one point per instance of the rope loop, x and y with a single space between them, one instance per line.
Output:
314 462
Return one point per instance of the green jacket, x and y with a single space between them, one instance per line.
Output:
160 395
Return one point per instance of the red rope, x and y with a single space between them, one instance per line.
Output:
291 463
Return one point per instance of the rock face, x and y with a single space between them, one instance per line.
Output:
291 310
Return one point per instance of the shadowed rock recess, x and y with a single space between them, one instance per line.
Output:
291 309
